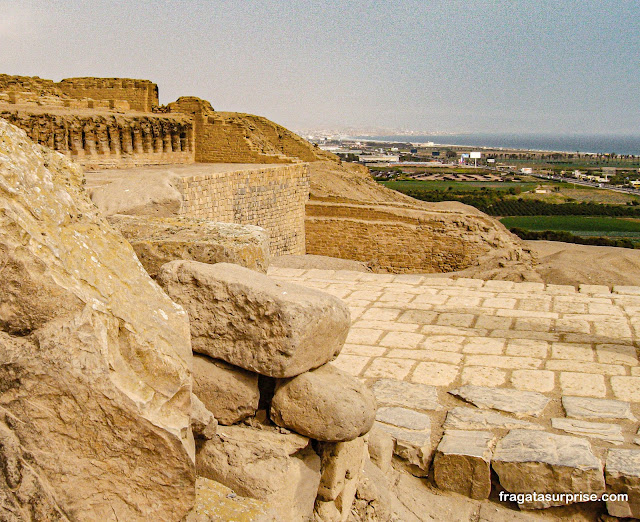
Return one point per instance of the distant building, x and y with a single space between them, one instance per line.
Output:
379 158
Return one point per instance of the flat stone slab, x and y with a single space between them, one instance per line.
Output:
404 418
622 474
588 408
597 430
461 418
410 395
462 463
414 437
518 402
536 461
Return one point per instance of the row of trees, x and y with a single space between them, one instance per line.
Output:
497 203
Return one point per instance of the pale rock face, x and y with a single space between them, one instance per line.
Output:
280 469
597 430
325 404
159 240
229 392
535 461
249 320
94 357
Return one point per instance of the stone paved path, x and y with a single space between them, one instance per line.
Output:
447 333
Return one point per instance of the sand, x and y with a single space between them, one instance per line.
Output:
570 264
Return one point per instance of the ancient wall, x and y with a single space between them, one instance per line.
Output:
399 239
272 197
231 137
32 84
108 139
142 95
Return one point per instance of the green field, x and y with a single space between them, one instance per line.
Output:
578 225
461 186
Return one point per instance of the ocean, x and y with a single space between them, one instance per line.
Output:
622 145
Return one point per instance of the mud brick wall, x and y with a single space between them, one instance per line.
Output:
393 239
109 139
272 197
231 137
142 95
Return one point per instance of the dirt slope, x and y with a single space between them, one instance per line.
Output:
569 264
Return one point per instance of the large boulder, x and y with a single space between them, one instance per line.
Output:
158 240
325 404
229 392
281 469
94 357
251 321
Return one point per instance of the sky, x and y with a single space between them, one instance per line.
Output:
517 66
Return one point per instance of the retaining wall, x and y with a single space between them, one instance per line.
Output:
271 197
396 239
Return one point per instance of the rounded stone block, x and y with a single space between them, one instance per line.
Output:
325 404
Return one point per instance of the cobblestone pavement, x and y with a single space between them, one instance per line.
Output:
568 344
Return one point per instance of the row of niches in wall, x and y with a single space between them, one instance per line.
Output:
111 137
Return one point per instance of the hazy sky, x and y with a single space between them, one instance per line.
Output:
519 65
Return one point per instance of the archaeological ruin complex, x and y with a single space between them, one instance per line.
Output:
147 345
194 162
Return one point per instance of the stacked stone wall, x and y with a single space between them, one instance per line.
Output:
109 139
392 239
142 95
271 197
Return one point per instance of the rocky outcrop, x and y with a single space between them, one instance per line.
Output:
158 240
96 386
247 319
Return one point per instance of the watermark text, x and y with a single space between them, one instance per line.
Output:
561 498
